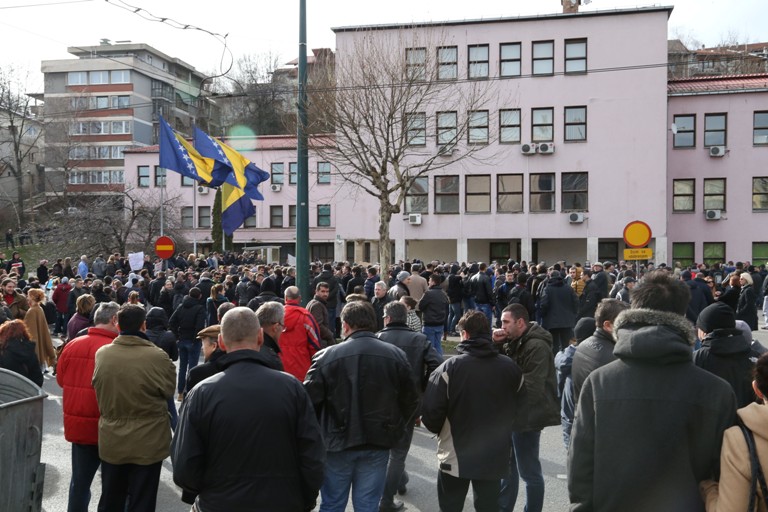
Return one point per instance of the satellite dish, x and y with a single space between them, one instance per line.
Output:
673 127
585 2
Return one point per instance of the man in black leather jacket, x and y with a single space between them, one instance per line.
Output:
237 454
424 359
365 397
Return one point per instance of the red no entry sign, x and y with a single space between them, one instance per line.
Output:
165 247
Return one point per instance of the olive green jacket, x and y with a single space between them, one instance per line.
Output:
133 380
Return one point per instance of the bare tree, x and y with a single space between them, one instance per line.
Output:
383 103
20 133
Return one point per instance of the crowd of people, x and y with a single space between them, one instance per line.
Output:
643 368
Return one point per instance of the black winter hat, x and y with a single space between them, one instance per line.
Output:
584 328
716 316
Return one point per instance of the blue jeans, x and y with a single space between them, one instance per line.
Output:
85 463
454 314
434 334
332 321
524 463
61 323
189 356
488 312
364 470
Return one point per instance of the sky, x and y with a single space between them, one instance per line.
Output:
37 30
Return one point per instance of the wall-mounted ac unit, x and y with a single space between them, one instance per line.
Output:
713 214
546 148
717 151
276 187
414 219
202 190
446 149
528 148
576 217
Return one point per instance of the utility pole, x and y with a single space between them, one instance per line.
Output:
302 185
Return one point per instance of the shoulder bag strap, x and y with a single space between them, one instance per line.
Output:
756 469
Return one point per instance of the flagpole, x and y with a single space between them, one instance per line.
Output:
302 187
194 218
162 201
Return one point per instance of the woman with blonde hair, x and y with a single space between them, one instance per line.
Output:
746 306
738 488
82 317
134 298
37 327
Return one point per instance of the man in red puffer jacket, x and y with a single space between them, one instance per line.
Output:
300 338
81 410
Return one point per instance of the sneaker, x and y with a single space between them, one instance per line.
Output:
392 507
765 327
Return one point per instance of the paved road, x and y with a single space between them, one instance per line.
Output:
421 464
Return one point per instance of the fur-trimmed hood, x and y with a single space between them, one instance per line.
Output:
651 334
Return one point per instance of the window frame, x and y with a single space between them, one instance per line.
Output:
503 60
161 177
571 124
723 194
118 73
550 58
421 196
708 132
484 179
203 220
143 178
293 173
98 77
473 63
763 128
680 252
420 73
447 128
187 217
757 193
124 127
479 122
443 64
687 195
81 78
510 126
757 259
323 174
567 59
568 193
534 193
186 181
324 215
292 215
275 212
535 125
440 195
710 260
277 177
502 193
412 130
684 131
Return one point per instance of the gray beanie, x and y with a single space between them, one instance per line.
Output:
403 275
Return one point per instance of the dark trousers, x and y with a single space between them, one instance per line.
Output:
85 463
396 475
561 338
452 491
129 487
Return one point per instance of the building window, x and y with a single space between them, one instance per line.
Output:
446 127
250 222
683 252
187 217
759 253
714 252
478 127
159 176
543 57
542 124
499 252
509 126
760 130
117 152
542 195
323 173
417 197
759 194
203 216
683 195
446 194
79 128
276 216
575 192
575 56
99 127
78 103
293 173
350 251
478 61
607 251
120 101
292 216
99 152
121 76
323 215
322 252
121 127
447 63
77 78
575 124
686 131
478 194
278 176
509 59
416 63
143 181
509 193
78 153
97 102
186 181
715 126
98 77
714 194
416 128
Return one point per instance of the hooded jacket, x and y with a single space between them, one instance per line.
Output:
299 341
539 406
648 426
158 333
591 354
18 356
559 305
727 354
732 493
188 319
470 403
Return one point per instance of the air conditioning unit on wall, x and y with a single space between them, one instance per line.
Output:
528 149
717 151
202 190
713 214
276 187
414 219
576 217
546 148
